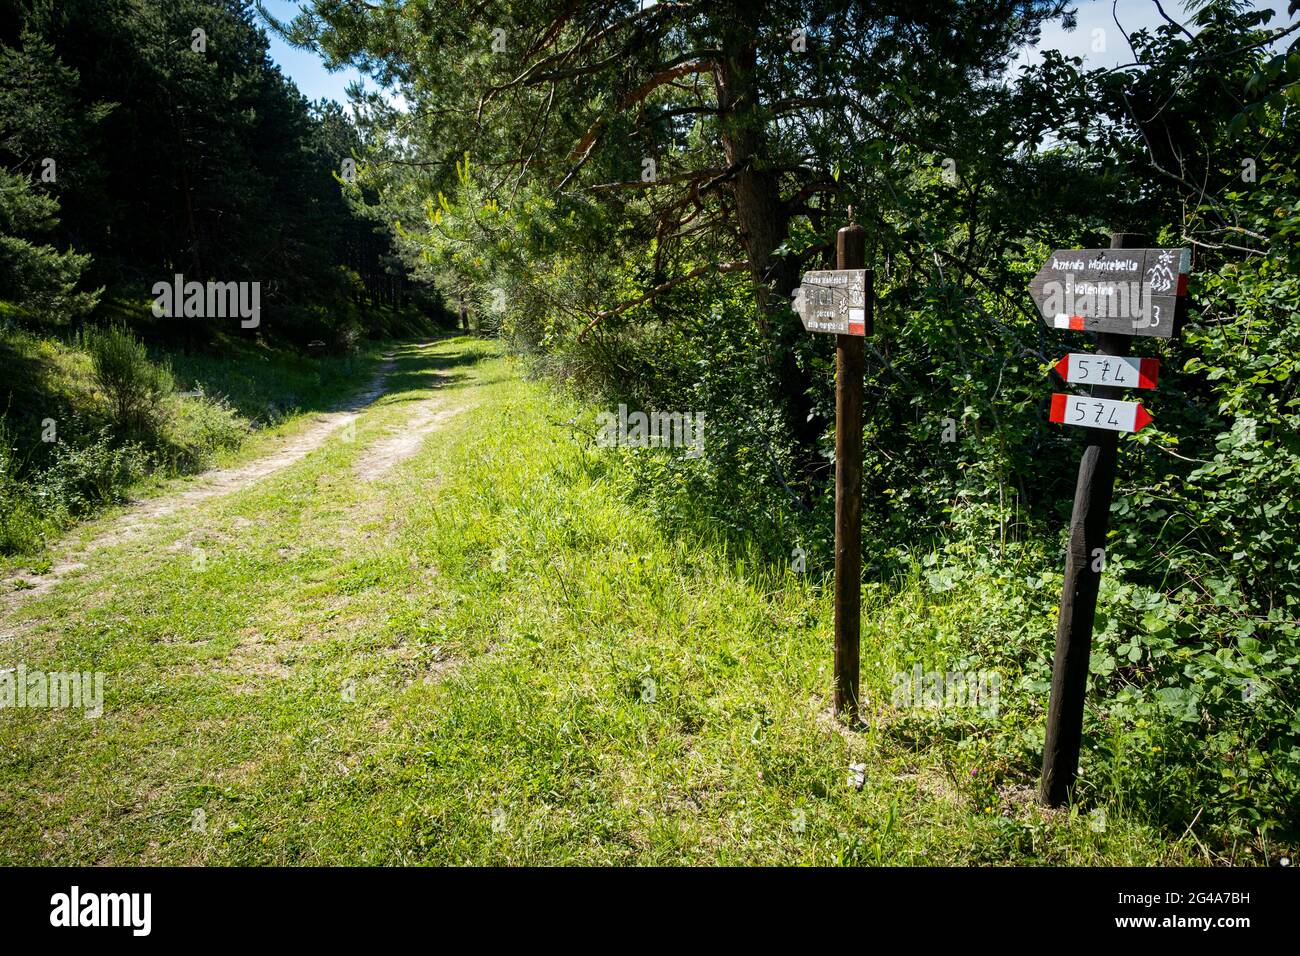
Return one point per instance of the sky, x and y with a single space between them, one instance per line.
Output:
1133 15
306 70
305 67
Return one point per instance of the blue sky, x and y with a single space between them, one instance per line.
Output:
303 66
306 70
1133 15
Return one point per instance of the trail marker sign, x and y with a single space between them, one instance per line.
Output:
1120 371
1089 412
1121 291
833 300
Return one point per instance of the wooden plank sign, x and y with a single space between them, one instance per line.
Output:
1122 291
1081 368
1089 412
833 300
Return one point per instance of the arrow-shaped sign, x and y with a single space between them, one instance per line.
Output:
1124 291
1082 368
1088 412
833 301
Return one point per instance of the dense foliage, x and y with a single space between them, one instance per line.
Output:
167 142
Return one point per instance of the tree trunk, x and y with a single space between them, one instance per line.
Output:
764 224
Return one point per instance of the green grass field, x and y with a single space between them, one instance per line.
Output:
487 654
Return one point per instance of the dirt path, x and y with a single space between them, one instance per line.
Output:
212 484
405 439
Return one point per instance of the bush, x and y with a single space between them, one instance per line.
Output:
20 526
136 387
40 281
79 479
87 476
197 429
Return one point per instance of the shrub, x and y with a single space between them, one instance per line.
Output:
38 279
20 526
86 476
197 429
80 478
136 387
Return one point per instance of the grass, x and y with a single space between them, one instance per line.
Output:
487 655
234 402
267 385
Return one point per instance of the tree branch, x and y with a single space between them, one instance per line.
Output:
658 290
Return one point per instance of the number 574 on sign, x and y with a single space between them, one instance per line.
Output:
1088 412
1120 371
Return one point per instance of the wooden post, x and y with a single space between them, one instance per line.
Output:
1086 551
850 253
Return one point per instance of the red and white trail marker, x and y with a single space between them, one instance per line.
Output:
1082 368
1088 412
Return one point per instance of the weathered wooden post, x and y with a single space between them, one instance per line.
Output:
1152 311
840 301
850 253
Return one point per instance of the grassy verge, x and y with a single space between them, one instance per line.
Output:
65 459
490 655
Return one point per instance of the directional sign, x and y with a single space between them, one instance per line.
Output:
1088 412
1124 291
833 301
1081 368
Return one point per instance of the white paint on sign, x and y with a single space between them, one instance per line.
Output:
833 301
1088 412
1081 368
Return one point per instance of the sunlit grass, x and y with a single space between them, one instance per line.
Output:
486 656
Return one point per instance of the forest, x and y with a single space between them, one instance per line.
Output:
613 204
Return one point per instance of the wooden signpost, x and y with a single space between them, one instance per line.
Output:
1120 290
1115 292
840 302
